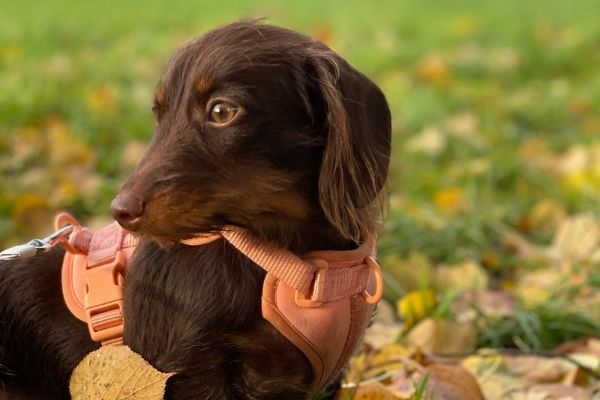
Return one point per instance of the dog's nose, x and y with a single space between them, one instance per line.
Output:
127 210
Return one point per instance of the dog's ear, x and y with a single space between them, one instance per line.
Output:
358 144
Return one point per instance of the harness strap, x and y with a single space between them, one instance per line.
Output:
314 282
312 279
93 277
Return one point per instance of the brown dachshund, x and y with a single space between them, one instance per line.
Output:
257 127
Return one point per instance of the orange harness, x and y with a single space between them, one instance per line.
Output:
322 303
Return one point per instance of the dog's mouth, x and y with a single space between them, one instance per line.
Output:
164 219
168 239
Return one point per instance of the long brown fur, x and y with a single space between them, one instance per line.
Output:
303 164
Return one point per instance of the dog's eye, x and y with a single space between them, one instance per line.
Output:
222 113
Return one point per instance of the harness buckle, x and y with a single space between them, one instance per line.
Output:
300 298
103 300
331 284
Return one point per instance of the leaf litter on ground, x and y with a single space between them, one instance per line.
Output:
414 352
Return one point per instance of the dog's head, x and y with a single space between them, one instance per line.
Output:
261 127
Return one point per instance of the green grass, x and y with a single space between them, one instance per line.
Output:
506 88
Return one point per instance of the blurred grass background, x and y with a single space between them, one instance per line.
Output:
496 111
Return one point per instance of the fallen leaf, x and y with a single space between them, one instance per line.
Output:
132 153
464 126
451 200
385 328
490 371
503 59
434 69
64 149
488 303
375 391
416 305
538 287
32 212
534 369
577 238
442 337
430 141
116 373
460 277
101 100
553 392
411 273
379 335
545 216
389 358
449 382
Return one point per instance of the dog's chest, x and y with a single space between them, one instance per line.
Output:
178 295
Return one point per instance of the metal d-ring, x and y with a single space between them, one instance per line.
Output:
374 268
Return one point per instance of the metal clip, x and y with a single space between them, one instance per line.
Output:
34 246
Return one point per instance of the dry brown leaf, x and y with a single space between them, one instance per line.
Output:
552 392
64 148
411 273
384 329
490 371
577 238
116 373
442 337
375 391
452 382
545 216
489 303
459 277
463 126
430 141
520 245
535 369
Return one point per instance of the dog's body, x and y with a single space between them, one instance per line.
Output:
257 127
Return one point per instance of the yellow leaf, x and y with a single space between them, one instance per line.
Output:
450 201
415 306
32 212
390 358
538 287
433 69
101 100
116 373
64 149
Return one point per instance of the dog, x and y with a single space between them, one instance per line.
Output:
257 127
